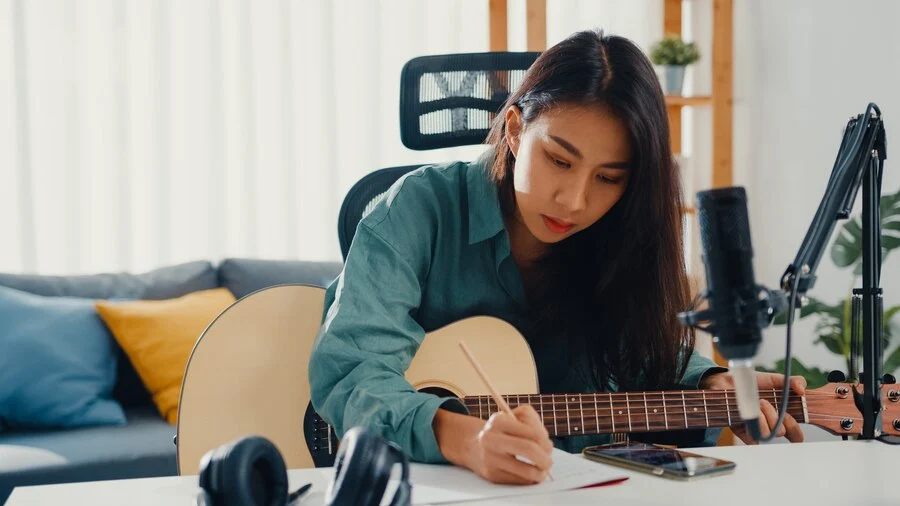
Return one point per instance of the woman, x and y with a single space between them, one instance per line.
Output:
569 228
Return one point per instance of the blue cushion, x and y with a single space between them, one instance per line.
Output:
163 283
58 363
244 275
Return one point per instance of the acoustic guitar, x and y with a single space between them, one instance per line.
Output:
292 313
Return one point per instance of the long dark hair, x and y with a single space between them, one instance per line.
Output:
612 291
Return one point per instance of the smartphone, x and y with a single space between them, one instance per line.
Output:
659 460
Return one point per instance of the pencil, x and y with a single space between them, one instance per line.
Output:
487 383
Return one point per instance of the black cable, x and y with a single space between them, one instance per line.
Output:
786 392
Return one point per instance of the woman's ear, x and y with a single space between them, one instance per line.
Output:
513 128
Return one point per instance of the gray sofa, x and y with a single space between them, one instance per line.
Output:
144 446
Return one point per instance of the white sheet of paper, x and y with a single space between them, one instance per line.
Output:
437 484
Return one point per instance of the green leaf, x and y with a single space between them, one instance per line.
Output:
815 377
847 248
886 322
815 306
889 242
893 361
889 313
833 342
673 50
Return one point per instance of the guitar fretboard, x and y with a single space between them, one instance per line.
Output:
606 413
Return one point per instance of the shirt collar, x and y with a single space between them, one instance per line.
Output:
485 217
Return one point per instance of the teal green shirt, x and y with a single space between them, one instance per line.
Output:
432 252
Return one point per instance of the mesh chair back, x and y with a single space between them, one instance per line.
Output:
450 100
445 101
362 198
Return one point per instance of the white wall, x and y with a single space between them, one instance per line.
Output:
802 68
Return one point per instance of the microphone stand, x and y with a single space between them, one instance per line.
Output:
859 163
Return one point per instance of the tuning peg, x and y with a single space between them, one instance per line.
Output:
836 377
889 379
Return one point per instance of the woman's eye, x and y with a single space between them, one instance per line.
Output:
608 180
559 163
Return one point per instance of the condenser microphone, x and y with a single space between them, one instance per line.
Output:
733 295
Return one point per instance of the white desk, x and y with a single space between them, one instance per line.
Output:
852 473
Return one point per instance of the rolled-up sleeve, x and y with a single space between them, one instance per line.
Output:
369 337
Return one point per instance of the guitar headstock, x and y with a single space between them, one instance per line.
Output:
832 408
891 414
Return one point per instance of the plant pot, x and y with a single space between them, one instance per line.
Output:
673 79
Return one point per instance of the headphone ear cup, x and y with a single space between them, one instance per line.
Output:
360 476
403 495
207 468
248 471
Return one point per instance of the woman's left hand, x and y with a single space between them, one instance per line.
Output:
768 414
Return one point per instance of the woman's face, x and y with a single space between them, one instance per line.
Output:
572 166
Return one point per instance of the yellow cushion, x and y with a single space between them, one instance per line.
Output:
158 336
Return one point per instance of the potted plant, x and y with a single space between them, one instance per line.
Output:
673 54
834 320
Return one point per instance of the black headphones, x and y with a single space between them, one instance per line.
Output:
250 471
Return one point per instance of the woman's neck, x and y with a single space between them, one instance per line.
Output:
526 249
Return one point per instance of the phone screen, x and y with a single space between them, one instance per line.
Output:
655 457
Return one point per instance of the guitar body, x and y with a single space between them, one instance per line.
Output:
249 374
440 366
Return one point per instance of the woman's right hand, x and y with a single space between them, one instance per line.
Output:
492 451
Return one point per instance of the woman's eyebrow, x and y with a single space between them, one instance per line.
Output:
568 146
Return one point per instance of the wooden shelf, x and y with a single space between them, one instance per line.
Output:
681 101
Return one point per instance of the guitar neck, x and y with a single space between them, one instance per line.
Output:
607 413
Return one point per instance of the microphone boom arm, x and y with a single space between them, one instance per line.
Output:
859 163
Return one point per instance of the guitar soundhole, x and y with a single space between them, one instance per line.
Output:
438 391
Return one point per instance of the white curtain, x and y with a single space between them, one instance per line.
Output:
137 133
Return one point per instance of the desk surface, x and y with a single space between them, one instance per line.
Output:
833 473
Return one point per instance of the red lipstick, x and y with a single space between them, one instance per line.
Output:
556 226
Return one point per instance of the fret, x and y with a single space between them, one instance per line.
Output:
568 420
329 439
480 412
628 409
597 412
581 407
728 409
775 398
665 415
684 404
805 410
646 413
541 404
612 415
553 404
705 409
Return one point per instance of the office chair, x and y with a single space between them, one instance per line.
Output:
445 101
